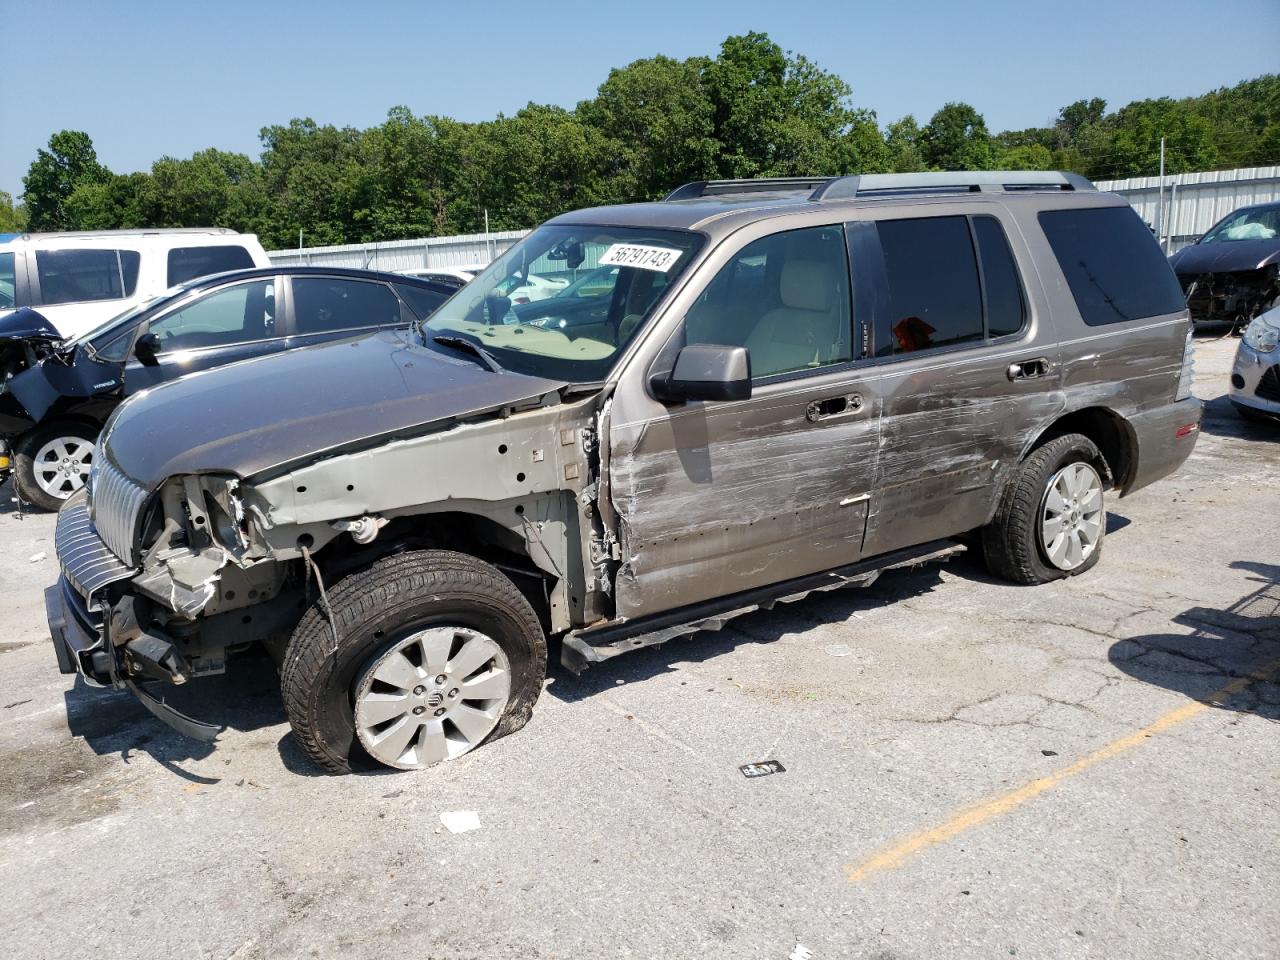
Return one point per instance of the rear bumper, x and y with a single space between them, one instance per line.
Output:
1164 439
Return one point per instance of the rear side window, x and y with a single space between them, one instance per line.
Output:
322 304
76 276
422 301
187 263
935 299
8 281
1112 263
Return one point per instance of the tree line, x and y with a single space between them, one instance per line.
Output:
752 110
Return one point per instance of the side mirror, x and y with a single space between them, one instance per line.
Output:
706 371
145 349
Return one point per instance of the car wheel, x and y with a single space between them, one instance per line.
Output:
51 462
436 653
1052 518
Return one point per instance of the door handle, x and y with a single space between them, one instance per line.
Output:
1028 369
843 406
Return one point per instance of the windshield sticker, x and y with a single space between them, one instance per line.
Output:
660 259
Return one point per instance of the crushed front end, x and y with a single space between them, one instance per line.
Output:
1235 296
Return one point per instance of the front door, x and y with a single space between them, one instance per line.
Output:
714 498
232 323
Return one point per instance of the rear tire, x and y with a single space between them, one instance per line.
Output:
1017 544
51 462
376 610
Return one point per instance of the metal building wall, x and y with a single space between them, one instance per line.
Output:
1194 202
398 255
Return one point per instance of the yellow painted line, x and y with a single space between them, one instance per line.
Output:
985 810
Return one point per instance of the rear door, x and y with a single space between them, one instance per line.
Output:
967 371
328 308
237 321
718 497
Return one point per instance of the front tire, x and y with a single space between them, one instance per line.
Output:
403 624
51 462
1052 518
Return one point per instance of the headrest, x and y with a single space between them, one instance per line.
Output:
805 285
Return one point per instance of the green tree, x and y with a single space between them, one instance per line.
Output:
957 139
110 204
55 173
13 218
903 147
1031 156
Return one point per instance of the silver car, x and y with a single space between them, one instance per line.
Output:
1255 375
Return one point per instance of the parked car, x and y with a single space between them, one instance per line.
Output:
80 280
1255 375
450 276
55 393
797 385
1232 273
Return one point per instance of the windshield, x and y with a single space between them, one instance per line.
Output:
532 310
1258 223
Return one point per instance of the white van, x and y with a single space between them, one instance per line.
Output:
80 280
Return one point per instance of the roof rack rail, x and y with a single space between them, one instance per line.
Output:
971 181
130 232
890 184
718 188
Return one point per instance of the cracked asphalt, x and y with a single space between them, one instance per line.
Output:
1086 769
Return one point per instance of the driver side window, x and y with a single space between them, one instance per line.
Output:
236 314
785 298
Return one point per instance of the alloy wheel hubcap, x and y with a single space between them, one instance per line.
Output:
432 696
62 465
1072 516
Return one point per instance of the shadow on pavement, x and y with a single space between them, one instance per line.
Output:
1221 419
1241 641
247 697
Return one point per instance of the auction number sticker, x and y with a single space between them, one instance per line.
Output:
637 255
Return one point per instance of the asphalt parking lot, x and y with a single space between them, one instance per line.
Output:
1086 769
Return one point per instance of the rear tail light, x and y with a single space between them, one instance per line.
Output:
1186 430
1188 368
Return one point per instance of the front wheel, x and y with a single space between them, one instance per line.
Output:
51 462
437 652
1052 519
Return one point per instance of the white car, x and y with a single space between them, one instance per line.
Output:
531 288
77 281
452 276
1255 375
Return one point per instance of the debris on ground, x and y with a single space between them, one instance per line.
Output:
761 769
838 650
460 821
37 557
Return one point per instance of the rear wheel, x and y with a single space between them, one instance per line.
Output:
437 652
51 462
1052 518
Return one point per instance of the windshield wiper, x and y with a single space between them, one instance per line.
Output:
462 343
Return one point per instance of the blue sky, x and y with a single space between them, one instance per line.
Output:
146 79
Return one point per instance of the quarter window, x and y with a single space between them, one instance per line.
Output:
239 314
77 276
785 298
323 304
1112 263
187 263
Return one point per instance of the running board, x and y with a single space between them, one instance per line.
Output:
581 648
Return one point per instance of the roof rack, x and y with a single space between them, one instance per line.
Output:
131 232
891 184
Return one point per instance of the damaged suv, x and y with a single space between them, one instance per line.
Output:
768 388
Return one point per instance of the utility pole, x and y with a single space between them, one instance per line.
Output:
1160 200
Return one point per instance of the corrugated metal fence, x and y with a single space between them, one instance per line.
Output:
1193 202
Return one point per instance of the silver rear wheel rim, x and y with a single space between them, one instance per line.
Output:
432 696
62 465
1072 516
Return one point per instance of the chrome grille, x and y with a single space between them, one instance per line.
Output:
85 559
114 503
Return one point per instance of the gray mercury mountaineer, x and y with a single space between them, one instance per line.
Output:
744 393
